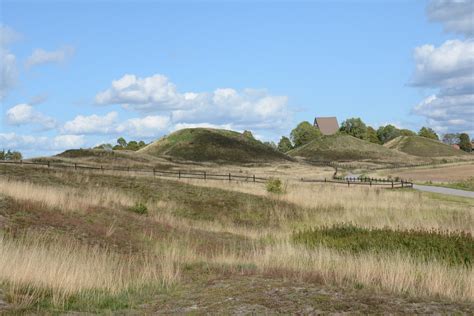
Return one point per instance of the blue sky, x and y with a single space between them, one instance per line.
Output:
257 65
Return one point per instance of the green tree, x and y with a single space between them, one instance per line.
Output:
122 142
465 142
141 144
132 145
16 155
451 138
248 134
284 145
372 135
271 144
354 127
304 133
428 132
407 132
2 154
387 133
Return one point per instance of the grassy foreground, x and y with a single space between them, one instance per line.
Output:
75 242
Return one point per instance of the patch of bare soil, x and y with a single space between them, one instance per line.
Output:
437 174
243 295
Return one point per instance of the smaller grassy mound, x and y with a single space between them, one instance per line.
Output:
348 148
206 144
422 147
451 248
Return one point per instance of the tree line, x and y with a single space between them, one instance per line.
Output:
10 155
305 132
122 144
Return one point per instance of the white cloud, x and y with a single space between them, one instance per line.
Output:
147 126
456 15
449 69
448 66
92 124
42 143
8 68
153 93
204 125
25 114
40 56
246 109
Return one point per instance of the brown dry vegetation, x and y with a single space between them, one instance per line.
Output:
71 242
442 173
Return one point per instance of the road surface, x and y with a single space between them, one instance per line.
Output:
428 188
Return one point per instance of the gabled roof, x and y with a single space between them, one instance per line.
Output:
327 125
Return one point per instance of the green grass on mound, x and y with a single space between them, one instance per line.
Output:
422 147
348 148
205 144
451 248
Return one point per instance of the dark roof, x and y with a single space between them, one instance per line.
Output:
327 125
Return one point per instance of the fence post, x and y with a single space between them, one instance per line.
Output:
75 166
402 184
128 169
154 171
179 174
205 176
392 184
348 183
229 176
370 183
324 179
101 168
48 164
253 178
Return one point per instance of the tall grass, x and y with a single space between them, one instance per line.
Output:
34 269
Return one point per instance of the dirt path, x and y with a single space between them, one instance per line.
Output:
448 191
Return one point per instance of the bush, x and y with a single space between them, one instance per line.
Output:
274 185
449 247
139 208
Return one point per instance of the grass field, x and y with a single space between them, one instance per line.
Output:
423 147
75 242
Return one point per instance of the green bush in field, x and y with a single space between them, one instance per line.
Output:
139 208
448 247
274 185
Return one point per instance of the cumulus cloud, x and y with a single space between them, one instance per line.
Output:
41 56
25 114
147 126
92 124
43 143
8 68
456 15
249 108
449 69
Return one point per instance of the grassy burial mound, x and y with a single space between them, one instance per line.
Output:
216 145
422 147
348 148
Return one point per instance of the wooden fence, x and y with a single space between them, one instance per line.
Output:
204 175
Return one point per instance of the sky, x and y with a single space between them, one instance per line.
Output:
81 73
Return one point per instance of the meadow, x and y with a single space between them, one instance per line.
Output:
112 242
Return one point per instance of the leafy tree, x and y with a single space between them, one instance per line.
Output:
387 133
132 145
304 133
104 146
122 142
271 144
2 154
141 144
451 138
11 155
284 145
428 133
372 135
407 132
248 134
354 127
465 142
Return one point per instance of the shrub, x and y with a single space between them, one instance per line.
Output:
449 247
275 185
139 208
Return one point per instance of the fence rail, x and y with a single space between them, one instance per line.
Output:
204 175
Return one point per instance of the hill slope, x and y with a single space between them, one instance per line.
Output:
348 148
422 147
206 144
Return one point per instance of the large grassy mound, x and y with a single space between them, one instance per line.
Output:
205 144
422 147
348 148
